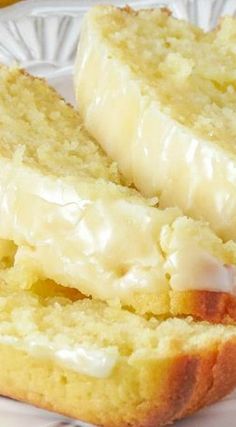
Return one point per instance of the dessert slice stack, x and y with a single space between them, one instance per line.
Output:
112 310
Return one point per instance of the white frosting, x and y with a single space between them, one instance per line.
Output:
192 268
97 363
105 246
160 156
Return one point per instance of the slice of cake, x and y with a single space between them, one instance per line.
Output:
159 95
65 216
108 366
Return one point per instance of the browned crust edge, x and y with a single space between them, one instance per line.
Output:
215 307
193 381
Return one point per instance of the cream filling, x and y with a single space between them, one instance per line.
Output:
107 247
97 363
160 156
191 268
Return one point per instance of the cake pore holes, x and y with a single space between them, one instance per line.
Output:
168 276
122 270
7 253
48 289
63 379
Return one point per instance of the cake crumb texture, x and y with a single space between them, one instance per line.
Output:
164 370
158 94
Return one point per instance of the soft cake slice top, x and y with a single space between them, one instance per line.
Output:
65 216
159 95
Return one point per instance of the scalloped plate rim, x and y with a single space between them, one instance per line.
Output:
18 10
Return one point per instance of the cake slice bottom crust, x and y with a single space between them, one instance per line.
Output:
105 365
171 388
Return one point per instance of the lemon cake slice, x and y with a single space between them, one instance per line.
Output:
65 216
159 95
106 365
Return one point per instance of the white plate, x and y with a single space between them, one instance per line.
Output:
42 36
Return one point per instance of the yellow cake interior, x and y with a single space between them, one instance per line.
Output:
44 316
192 72
47 318
57 142
72 356
56 319
67 217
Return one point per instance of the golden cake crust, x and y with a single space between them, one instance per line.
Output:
167 389
215 307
